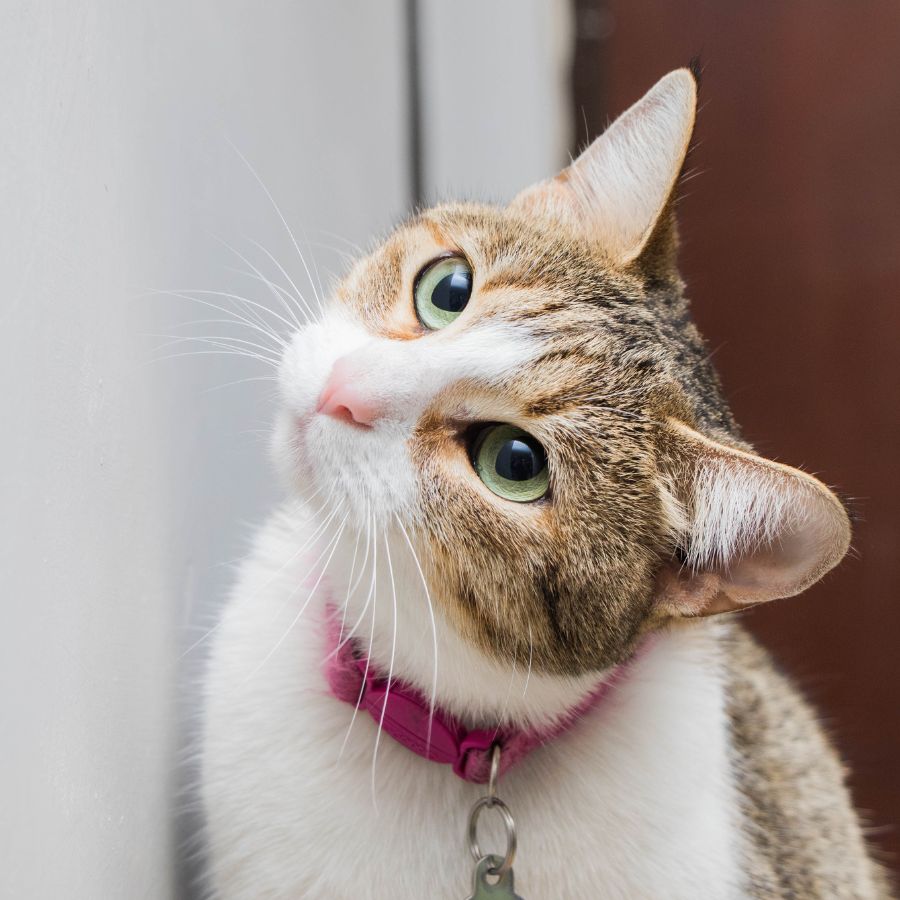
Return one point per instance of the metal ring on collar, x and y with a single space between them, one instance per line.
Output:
495 771
509 823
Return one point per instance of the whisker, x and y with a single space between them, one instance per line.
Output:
387 689
277 291
301 581
296 619
232 321
505 708
349 583
297 294
188 294
234 315
365 558
353 246
349 635
221 348
216 340
434 672
264 585
280 215
530 656
373 596
227 384
315 266
159 359
345 255
311 539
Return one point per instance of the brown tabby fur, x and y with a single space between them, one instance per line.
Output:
567 584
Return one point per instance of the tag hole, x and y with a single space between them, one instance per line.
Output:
492 878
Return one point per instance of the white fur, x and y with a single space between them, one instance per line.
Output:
304 799
738 509
371 471
634 802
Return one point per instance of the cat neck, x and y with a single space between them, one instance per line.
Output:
404 632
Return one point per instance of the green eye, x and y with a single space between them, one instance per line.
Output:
442 291
511 463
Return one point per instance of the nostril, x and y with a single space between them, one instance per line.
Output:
345 399
341 404
345 414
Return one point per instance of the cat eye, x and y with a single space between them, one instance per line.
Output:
511 463
442 291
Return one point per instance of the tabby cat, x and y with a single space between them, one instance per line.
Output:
518 496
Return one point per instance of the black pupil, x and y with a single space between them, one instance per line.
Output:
519 461
452 292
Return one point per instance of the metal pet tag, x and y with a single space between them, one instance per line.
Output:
484 890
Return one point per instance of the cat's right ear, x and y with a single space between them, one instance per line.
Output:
619 191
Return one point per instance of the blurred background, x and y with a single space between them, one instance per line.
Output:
159 162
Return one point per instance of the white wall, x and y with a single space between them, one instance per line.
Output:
496 95
121 483
125 484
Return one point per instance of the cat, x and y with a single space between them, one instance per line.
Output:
518 496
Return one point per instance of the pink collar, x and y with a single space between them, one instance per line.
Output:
405 712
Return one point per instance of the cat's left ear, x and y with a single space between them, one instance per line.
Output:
618 193
750 529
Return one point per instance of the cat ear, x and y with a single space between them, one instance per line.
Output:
619 189
751 529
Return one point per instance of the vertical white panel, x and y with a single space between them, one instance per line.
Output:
495 98
123 484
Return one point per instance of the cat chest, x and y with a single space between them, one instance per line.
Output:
598 813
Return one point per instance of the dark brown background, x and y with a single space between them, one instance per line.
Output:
790 249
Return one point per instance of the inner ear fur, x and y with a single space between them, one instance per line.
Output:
751 529
619 193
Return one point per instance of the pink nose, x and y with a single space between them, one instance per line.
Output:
343 399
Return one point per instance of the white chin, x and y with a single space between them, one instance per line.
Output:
366 472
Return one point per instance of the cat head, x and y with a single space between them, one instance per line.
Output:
520 392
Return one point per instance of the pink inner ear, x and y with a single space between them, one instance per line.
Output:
759 531
765 574
781 568
775 570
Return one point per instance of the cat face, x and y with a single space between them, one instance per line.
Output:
522 392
